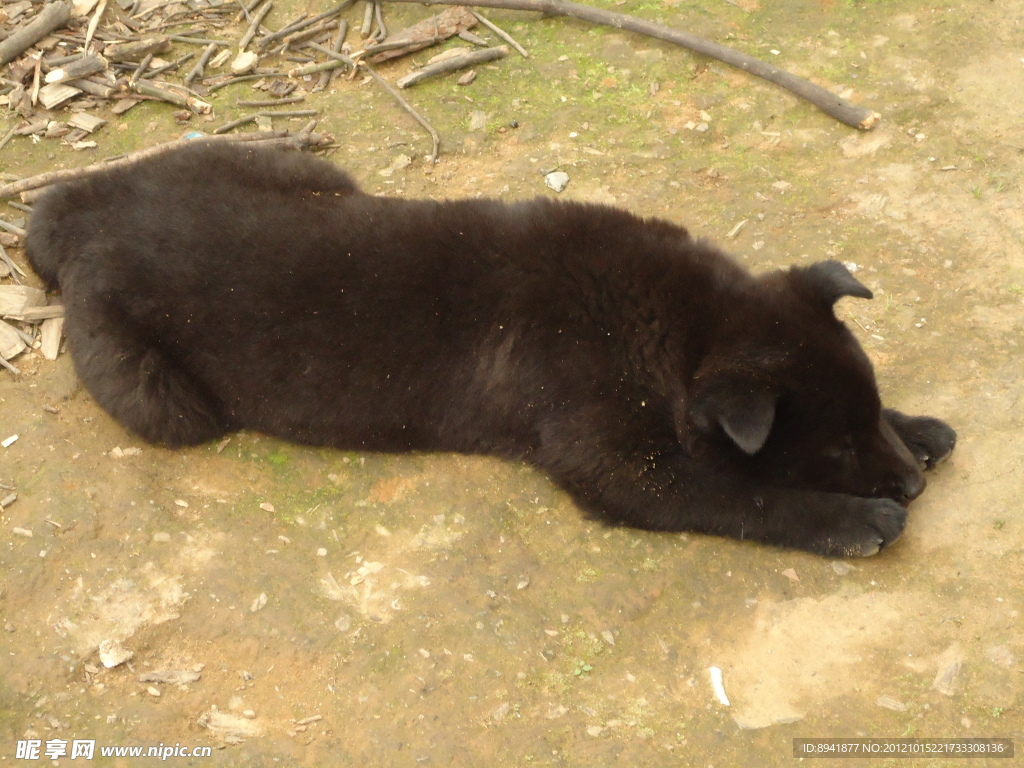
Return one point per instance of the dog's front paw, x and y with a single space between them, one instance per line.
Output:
930 440
863 528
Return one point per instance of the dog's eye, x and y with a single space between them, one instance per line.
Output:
845 451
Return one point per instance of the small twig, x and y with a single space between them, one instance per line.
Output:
199 41
298 25
200 66
270 102
826 101
451 65
387 87
234 124
250 118
10 366
12 228
93 23
302 140
500 32
168 67
7 137
242 79
246 10
339 41
139 70
378 12
15 269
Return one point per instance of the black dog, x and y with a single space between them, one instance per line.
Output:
219 287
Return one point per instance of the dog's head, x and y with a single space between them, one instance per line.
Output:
787 392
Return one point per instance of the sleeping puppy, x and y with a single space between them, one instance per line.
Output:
220 287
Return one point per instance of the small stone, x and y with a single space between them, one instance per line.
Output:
248 713
842 568
557 180
477 120
888 702
321 552
258 603
467 78
113 654
152 691
161 536
607 636
344 623
266 506
790 574
181 503
594 730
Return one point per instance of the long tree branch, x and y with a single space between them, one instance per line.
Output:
304 139
828 102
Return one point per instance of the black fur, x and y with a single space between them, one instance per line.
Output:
219 287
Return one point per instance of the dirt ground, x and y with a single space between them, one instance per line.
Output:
360 609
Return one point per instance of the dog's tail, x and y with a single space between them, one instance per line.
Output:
47 242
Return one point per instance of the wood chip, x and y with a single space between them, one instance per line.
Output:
11 343
50 336
53 95
86 122
15 299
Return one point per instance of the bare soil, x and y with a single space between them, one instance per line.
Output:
450 610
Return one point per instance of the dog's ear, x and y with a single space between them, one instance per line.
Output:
831 280
744 409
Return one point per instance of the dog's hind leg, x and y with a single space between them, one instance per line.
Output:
134 380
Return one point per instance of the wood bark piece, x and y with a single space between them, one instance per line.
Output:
828 102
453 64
52 17
446 24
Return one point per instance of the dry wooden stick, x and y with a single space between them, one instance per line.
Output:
828 102
364 31
295 27
500 33
341 57
378 12
339 41
453 64
250 33
302 140
53 16
200 66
